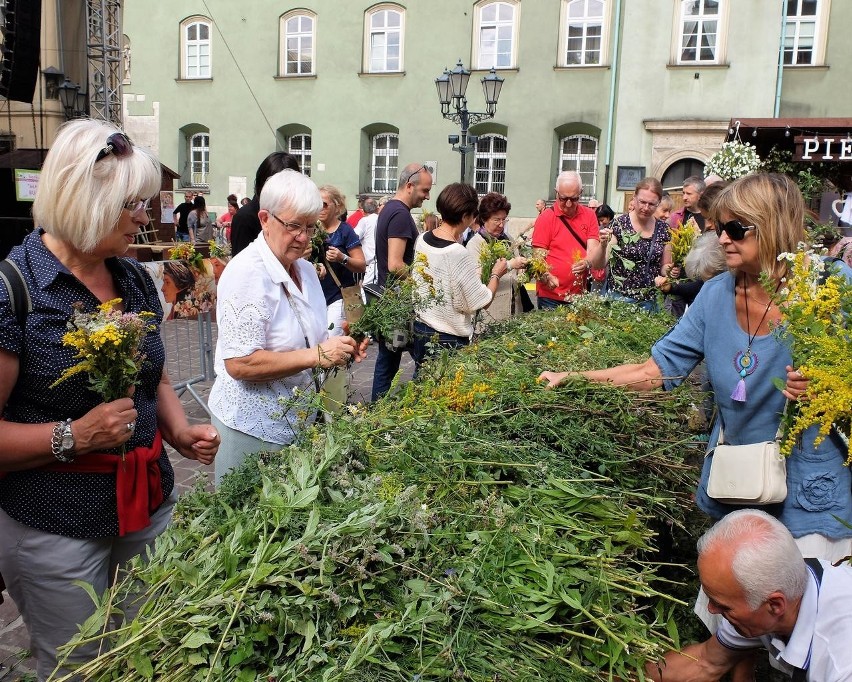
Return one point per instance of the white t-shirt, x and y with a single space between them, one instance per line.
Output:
366 231
820 641
254 313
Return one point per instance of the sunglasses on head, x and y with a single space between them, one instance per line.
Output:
734 229
117 144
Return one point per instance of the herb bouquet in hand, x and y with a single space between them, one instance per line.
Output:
391 315
491 252
109 346
536 268
816 305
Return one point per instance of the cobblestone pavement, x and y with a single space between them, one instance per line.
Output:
183 353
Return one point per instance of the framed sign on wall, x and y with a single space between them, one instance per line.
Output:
627 176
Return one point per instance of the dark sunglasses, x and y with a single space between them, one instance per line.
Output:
734 229
117 144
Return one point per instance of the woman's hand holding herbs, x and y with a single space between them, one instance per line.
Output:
338 350
105 426
518 263
797 385
553 379
501 267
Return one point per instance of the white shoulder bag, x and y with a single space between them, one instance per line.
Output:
753 474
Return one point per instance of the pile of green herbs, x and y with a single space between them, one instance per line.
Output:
473 526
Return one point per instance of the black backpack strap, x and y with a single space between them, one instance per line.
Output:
19 295
133 268
816 567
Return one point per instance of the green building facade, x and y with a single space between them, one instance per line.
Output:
612 88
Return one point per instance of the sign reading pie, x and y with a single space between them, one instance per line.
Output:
819 148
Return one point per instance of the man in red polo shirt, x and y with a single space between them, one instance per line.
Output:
568 235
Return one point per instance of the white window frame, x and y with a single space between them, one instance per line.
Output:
299 36
199 171
793 29
369 32
721 44
301 153
391 170
489 183
570 161
586 22
188 46
479 60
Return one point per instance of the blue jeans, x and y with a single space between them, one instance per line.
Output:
181 236
387 366
426 339
648 306
549 303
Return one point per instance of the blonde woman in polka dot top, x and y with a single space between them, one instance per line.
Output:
70 508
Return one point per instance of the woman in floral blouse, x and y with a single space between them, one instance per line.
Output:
641 250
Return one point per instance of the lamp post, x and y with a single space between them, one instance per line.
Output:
452 86
68 96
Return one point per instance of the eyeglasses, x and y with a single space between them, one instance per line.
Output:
118 144
734 229
137 206
565 200
498 221
411 175
296 228
646 204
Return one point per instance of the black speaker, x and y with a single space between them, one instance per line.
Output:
20 52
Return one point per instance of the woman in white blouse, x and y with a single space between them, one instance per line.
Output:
273 340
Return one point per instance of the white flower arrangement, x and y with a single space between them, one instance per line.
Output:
734 160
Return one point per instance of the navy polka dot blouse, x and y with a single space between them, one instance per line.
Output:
79 505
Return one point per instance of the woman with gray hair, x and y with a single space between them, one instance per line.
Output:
86 485
273 343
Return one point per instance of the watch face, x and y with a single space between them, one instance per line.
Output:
67 441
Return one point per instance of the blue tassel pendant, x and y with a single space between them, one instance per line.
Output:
745 363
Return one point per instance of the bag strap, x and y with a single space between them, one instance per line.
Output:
16 286
720 439
801 674
570 229
302 328
331 272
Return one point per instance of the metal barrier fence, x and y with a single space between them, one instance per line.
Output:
189 354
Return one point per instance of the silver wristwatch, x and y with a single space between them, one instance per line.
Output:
62 442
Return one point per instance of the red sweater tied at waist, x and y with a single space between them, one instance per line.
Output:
138 484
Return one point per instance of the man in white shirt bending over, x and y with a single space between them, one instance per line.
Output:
768 597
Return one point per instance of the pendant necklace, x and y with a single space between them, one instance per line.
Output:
745 362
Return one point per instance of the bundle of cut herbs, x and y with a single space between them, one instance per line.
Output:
474 526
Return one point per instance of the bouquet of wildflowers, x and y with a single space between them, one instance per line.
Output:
109 346
816 305
219 250
536 268
186 251
734 160
402 298
682 239
492 251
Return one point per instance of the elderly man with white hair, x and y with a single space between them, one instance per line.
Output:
567 234
768 596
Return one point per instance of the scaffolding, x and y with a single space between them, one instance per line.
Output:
105 62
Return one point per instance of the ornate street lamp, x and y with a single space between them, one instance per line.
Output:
452 86
68 96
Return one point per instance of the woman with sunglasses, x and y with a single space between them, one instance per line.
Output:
343 256
510 299
86 485
729 326
274 343
640 250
